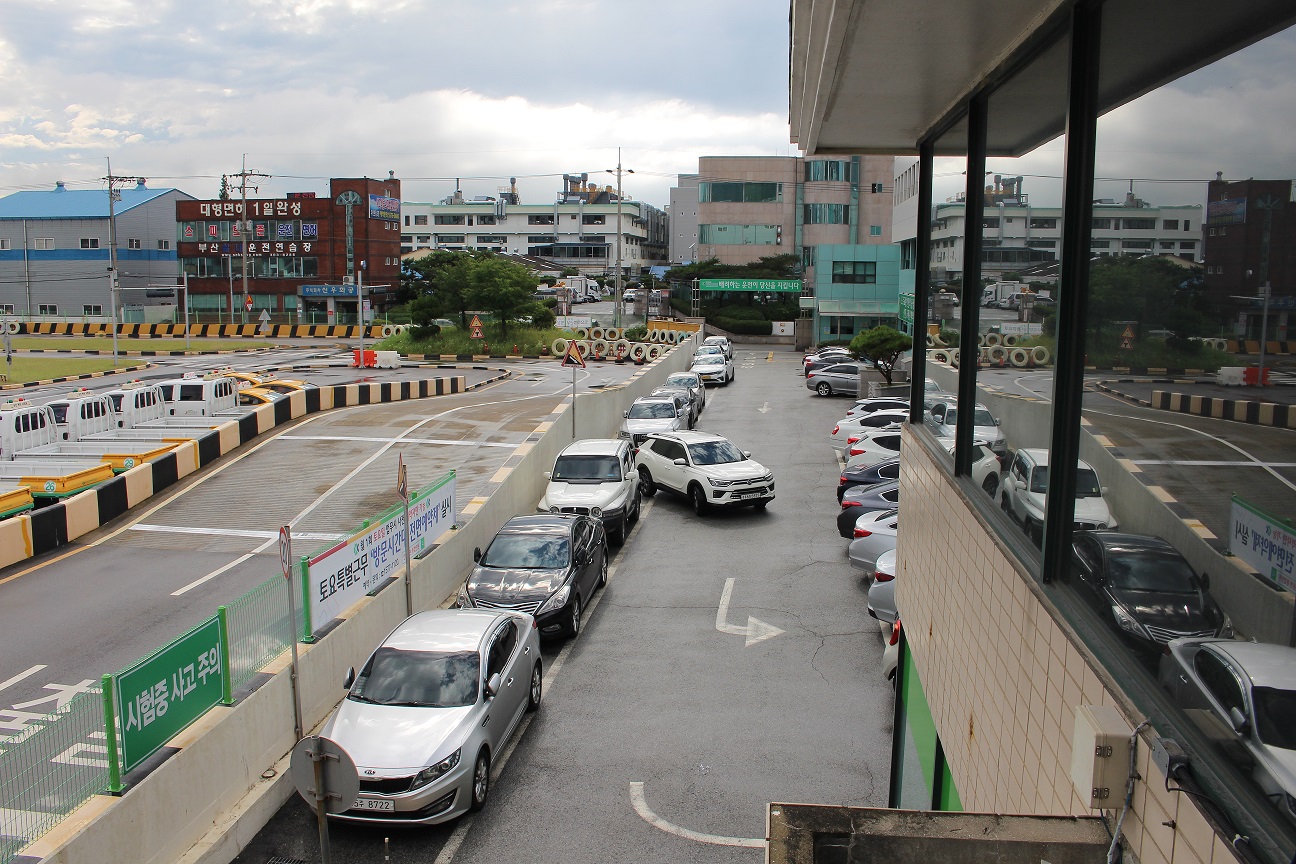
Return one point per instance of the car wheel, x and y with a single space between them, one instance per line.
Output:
991 485
646 484
537 686
618 534
824 389
603 568
574 622
638 506
762 504
698 497
481 781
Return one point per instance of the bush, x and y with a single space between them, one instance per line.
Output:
950 337
637 333
543 319
737 313
551 302
419 333
744 328
834 343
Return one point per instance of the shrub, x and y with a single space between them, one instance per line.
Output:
950 337
543 319
738 313
744 328
834 343
638 333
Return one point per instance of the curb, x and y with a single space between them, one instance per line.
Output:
67 378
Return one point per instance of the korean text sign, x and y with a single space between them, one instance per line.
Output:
341 575
1264 543
160 695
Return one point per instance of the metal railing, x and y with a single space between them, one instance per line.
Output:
258 629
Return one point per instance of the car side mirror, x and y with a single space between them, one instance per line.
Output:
625 413
493 685
679 462
349 678
477 554
746 454
1238 720
548 475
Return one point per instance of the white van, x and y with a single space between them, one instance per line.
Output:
137 403
200 397
82 413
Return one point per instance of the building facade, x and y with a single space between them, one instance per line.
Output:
55 254
307 259
683 213
1250 240
855 287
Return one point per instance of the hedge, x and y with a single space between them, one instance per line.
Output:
744 328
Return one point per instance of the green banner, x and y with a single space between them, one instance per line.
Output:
160 695
907 308
760 286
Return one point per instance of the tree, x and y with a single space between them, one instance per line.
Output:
883 345
1126 288
224 194
501 287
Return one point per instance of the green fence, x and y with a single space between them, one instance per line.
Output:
258 629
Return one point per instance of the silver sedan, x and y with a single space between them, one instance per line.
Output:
434 703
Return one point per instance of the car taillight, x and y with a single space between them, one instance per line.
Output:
836 429
882 576
895 633
842 480
853 439
810 374
862 532
846 505
855 451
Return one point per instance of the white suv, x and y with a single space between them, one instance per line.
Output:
596 478
1024 484
708 469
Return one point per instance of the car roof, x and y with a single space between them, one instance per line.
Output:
1040 456
1119 541
1266 665
665 400
690 436
595 447
539 523
682 372
444 629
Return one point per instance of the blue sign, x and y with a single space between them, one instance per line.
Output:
328 290
382 207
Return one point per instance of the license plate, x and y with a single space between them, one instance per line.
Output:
373 804
744 495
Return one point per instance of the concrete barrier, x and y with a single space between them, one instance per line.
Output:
227 773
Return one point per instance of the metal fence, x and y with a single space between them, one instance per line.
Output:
258 629
51 770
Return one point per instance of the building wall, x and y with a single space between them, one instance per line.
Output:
876 301
1235 242
1004 678
684 219
781 215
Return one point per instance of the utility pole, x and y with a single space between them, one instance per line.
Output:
113 197
245 228
616 299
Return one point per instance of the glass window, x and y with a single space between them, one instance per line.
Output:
449 219
854 272
829 169
575 469
425 679
421 219
826 214
713 192
541 551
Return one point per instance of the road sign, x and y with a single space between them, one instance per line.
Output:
247 302
341 781
476 332
402 484
572 357
264 318
1128 332
475 323
285 551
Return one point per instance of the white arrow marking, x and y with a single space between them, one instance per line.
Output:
763 408
641 807
756 629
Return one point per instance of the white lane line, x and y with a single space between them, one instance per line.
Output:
212 575
1214 463
233 532
461 442
640 804
21 675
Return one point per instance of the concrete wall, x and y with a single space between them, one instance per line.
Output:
208 799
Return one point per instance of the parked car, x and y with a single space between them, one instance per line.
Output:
825 360
833 354
942 417
722 342
835 378
257 396
874 446
647 415
684 404
1243 695
712 366
875 533
691 380
866 499
881 594
891 653
986 467
431 707
1025 483
546 566
708 469
851 429
1145 588
877 403
887 469
596 477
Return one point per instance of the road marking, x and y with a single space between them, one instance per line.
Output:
640 804
764 408
1214 463
235 532
212 575
20 818
21 675
756 629
453 443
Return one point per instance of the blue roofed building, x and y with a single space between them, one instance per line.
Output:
54 250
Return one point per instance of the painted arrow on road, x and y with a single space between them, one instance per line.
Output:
756 629
763 408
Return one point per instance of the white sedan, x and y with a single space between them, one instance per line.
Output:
849 430
874 446
712 366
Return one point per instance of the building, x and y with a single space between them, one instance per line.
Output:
855 286
578 230
1005 655
683 213
54 250
307 258
1250 238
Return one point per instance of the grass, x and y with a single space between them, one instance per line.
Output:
104 343
25 369
456 341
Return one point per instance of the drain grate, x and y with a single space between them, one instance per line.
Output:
278 859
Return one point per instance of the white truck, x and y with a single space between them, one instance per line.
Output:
992 294
580 289
34 432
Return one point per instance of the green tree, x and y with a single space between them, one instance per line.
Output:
883 345
1126 288
224 193
503 288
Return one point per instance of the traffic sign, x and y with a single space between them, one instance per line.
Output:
247 302
340 784
402 484
285 551
572 357
1127 333
476 332
475 323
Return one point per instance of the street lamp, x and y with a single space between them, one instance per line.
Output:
1267 203
616 301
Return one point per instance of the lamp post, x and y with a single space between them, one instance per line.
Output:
1267 203
616 300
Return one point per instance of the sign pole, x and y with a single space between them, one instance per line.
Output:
573 403
321 796
285 560
402 489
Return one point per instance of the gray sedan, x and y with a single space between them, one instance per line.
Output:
434 703
837 378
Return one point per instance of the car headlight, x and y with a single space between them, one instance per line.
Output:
465 601
1127 623
1226 632
554 509
596 512
715 482
433 772
623 434
556 600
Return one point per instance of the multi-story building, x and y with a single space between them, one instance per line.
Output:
683 213
1250 235
579 230
54 249
307 259
1016 235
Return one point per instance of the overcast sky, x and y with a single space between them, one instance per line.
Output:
178 91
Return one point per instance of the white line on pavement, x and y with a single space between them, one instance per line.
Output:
641 807
444 441
234 532
212 575
21 675
1214 463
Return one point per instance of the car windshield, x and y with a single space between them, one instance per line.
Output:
534 551
424 679
116 401
980 417
714 453
1086 482
708 349
1275 712
682 380
651 411
571 469
1151 571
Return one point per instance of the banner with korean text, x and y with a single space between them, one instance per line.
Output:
1264 542
347 571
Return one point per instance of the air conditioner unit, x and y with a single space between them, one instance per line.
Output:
348 280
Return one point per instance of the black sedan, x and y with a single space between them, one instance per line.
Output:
546 565
887 469
865 499
1145 589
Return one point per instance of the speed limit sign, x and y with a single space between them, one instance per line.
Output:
285 551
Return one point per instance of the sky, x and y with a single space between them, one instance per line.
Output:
179 92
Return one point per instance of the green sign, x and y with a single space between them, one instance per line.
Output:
907 309
761 286
160 695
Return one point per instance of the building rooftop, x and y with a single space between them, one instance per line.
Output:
63 203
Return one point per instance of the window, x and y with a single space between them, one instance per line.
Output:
1102 224
448 219
423 238
543 238
1188 244
540 219
164 245
6 309
89 242
1041 244
875 187
1040 222
593 220
875 230
1220 681
1138 224
759 235
4 243
133 243
826 214
91 310
1170 225
1166 244
407 221
1139 245
492 238
486 219
47 309
829 169
734 193
1099 244
1186 227
991 222
451 238
47 243
854 272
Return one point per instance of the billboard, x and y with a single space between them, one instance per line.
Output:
382 207
1264 542
1230 211
780 286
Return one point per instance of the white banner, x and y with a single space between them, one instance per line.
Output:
571 322
338 577
1019 329
1264 543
